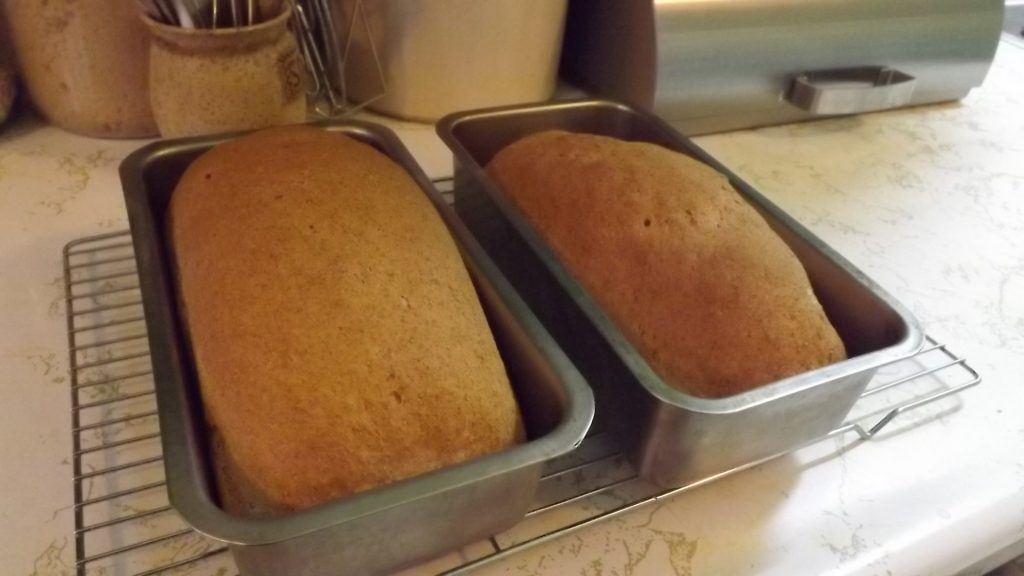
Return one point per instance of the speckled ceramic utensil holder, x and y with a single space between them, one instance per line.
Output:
206 81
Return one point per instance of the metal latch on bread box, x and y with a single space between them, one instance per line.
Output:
852 90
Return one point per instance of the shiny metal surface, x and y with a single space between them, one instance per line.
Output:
368 533
1013 23
595 463
714 65
673 438
325 39
851 91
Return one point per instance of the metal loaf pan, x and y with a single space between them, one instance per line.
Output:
389 527
673 438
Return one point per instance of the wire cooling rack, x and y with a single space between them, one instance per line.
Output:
124 524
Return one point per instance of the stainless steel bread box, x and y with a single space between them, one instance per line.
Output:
715 65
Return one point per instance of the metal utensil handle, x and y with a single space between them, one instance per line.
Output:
851 90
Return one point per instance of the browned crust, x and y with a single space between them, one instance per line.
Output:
338 340
694 277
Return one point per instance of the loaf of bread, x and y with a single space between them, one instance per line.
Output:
692 275
337 338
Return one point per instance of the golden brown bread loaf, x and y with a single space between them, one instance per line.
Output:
691 274
338 340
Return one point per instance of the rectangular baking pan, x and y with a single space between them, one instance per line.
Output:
673 438
383 529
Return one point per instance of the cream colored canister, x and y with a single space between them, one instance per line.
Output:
206 81
442 56
85 64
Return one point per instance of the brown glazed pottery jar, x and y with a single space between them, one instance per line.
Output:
85 64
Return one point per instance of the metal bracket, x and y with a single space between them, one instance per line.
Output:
851 90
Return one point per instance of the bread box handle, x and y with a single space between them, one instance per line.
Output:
851 90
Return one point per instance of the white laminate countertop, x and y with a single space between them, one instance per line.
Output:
929 202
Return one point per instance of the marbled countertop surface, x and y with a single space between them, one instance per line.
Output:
929 202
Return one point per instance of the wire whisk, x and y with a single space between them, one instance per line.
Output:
326 33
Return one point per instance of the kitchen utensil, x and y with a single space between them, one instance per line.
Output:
211 13
325 37
603 487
